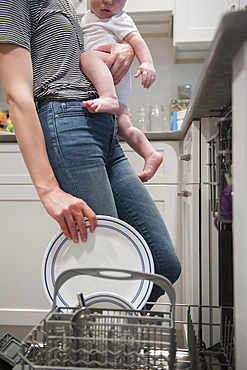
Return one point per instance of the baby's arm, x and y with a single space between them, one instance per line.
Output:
144 57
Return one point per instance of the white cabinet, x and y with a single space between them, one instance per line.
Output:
25 233
190 244
199 235
163 188
190 157
198 20
166 200
164 185
168 172
147 6
243 4
189 194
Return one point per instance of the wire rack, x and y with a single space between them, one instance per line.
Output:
215 349
220 167
114 339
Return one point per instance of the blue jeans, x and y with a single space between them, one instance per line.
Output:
89 163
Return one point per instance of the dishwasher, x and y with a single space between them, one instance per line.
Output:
141 339
217 322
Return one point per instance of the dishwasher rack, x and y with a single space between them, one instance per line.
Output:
210 340
116 339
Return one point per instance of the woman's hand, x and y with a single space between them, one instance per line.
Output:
68 211
120 58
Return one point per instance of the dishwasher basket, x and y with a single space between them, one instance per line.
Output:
103 338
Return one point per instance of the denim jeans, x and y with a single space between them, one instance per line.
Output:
89 163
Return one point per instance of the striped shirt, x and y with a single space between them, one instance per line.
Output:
50 31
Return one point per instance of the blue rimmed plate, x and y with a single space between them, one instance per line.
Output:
114 244
107 300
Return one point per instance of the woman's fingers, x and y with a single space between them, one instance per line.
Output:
70 213
86 211
119 60
68 227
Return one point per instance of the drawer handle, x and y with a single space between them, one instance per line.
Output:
185 157
184 193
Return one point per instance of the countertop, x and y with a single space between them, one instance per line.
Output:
212 94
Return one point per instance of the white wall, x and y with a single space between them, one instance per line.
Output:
168 76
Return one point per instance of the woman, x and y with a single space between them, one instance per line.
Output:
73 156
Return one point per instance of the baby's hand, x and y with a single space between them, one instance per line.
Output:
148 73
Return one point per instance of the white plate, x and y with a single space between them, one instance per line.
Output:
106 300
114 244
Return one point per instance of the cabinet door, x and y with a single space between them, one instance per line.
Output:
168 172
190 156
190 245
243 4
198 20
166 199
145 5
25 234
168 203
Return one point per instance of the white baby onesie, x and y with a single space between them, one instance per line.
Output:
112 30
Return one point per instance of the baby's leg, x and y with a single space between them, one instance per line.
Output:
92 64
138 141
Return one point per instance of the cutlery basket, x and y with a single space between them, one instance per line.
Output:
105 338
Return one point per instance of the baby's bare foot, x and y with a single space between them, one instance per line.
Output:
102 104
152 163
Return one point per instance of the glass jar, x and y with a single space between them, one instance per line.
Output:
142 121
155 118
164 121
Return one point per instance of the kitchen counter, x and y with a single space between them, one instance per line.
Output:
212 94
7 137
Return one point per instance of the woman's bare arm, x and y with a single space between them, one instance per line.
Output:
17 80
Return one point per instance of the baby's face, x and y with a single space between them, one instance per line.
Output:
106 8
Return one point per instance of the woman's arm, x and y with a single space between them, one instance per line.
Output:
17 80
120 59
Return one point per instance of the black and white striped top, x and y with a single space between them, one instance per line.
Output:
50 30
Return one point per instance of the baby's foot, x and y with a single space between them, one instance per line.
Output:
152 163
102 104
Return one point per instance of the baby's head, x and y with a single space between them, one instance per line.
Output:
106 8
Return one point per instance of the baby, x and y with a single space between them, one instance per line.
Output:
106 23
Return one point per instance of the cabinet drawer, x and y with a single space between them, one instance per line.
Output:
168 172
12 166
18 192
190 156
